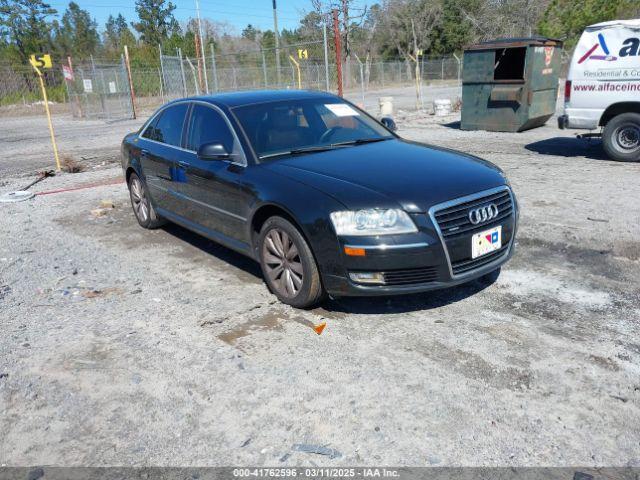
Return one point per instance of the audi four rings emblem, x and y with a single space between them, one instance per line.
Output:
483 214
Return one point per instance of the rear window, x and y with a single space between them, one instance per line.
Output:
167 128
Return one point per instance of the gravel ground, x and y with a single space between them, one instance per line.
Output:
122 346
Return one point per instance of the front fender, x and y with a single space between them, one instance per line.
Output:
309 208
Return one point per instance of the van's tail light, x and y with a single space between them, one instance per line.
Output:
567 91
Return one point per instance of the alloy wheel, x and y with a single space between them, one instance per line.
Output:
283 263
139 200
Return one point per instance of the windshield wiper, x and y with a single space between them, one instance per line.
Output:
323 148
297 151
360 141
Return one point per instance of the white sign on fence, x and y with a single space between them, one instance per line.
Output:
112 87
88 86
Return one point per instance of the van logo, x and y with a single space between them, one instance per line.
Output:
605 49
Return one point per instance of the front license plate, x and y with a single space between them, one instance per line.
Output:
486 242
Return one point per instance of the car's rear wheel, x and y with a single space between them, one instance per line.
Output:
142 207
288 265
621 137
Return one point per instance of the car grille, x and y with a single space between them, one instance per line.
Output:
467 265
410 276
455 221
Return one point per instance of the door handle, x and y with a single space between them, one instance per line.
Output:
184 165
144 152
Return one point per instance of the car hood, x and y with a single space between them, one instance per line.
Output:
391 173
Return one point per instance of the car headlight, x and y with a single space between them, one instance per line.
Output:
372 222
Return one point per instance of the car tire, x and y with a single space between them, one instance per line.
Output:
288 265
141 204
621 137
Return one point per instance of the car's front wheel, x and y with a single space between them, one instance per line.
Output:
621 137
288 265
141 204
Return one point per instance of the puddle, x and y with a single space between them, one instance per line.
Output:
270 321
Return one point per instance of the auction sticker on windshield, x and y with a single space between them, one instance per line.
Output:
486 242
341 109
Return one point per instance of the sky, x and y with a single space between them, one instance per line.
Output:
237 13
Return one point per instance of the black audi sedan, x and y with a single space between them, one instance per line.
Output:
327 199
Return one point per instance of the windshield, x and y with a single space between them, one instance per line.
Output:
299 126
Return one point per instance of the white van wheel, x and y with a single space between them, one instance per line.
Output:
621 137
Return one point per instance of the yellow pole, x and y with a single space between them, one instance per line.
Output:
297 68
46 108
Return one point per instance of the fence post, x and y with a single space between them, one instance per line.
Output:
457 60
213 66
326 55
161 73
361 77
195 76
161 88
133 96
264 68
336 35
184 79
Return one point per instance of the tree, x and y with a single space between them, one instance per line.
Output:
117 33
455 30
25 23
77 34
409 24
250 33
567 19
157 22
311 26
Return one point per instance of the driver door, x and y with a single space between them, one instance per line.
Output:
214 189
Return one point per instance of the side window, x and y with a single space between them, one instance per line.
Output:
150 132
168 129
208 126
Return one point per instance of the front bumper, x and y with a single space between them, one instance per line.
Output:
419 262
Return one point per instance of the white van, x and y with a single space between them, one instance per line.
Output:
603 87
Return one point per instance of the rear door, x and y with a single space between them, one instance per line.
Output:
160 145
216 188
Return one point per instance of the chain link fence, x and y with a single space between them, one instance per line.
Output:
100 91
20 91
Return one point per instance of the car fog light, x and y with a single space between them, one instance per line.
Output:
376 278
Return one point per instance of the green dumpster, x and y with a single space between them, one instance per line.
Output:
510 85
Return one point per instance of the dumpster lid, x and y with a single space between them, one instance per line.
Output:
516 42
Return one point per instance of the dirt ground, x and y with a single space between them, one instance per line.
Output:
122 346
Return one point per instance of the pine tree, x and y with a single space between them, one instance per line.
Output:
78 32
157 22
25 23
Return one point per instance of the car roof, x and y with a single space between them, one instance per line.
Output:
249 97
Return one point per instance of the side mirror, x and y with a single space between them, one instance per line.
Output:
389 123
213 151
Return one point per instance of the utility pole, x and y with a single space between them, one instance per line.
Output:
275 29
336 38
202 54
